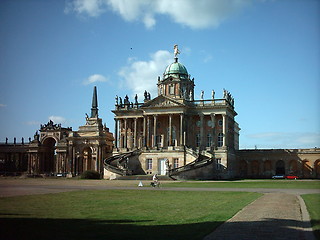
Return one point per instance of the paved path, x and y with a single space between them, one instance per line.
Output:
274 216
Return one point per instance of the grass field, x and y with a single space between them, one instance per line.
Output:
279 184
118 214
313 205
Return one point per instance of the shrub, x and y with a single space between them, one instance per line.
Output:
90 174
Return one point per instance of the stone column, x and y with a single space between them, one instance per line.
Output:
187 120
201 131
125 144
135 134
72 162
98 159
148 131
224 130
155 130
181 129
116 132
213 120
144 132
170 130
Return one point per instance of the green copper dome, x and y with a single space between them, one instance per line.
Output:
176 69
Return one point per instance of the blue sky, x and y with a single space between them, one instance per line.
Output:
265 52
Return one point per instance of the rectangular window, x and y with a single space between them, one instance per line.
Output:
149 164
218 164
176 162
220 139
171 89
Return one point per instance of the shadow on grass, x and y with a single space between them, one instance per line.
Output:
317 231
63 229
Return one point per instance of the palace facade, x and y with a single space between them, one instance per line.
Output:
173 135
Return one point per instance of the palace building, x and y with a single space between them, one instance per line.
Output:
173 130
173 134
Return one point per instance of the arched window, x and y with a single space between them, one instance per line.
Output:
220 139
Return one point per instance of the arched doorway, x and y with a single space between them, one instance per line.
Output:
317 168
293 167
87 159
243 168
49 156
306 169
280 168
267 168
255 171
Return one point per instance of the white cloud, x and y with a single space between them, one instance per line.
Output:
192 13
57 119
201 13
95 78
92 8
286 139
139 76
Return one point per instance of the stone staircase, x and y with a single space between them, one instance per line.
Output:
144 178
118 163
202 159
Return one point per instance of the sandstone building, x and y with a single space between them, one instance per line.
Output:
56 150
174 134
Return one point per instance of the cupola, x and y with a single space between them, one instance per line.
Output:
176 82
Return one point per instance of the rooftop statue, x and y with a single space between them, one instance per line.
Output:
176 50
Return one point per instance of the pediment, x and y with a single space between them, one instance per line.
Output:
163 101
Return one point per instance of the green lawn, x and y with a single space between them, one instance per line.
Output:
118 214
281 184
313 205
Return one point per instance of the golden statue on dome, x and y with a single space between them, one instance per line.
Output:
176 50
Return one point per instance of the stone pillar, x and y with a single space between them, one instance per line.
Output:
181 129
125 144
224 130
116 132
155 130
72 161
98 158
170 130
135 134
148 131
213 120
144 132
187 122
201 131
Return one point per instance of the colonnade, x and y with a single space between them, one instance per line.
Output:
144 131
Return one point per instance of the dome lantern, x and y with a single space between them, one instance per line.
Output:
176 81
